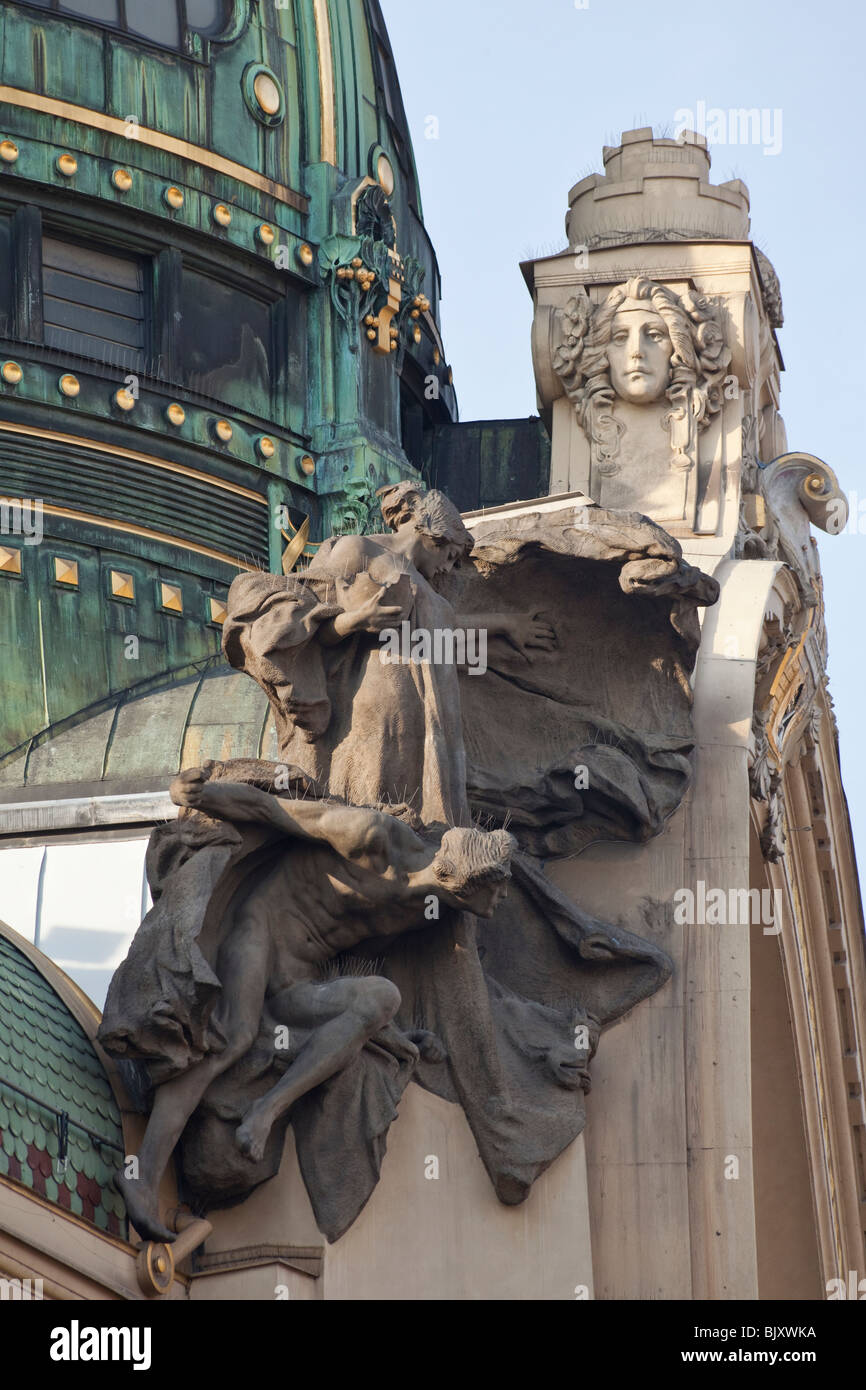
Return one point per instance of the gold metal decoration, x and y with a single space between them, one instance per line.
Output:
66 572
173 197
266 234
222 215
175 414
296 547
122 585
122 180
218 610
11 373
171 597
124 399
385 174
267 94
154 1267
304 254
8 151
308 465
128 529
155 139
266 447
67 165
10 560
784 689
223 431
69 385
327 95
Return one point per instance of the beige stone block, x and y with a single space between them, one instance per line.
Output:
722 1212
637 1078
732 629
717 957
640 1231
718 825
717 1063
724 701
450 1238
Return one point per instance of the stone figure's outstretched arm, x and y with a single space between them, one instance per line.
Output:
357 833
525 632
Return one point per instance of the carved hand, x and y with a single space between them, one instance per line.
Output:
188 787
527 632
369 617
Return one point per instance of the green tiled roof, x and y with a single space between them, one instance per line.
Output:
48 1064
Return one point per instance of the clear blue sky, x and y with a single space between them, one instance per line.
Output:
525 96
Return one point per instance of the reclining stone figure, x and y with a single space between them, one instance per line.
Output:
350 875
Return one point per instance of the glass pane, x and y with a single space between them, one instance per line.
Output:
106 10
5 275
154 19
91 907
224 343
210 16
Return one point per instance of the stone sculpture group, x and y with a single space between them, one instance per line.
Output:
372 909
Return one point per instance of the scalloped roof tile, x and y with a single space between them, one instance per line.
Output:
45 1052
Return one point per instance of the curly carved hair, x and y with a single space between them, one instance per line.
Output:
699 360
430 512
470 859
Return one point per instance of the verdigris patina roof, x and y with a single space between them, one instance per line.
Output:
138 739
49 1070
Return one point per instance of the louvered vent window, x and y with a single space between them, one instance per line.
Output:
94 303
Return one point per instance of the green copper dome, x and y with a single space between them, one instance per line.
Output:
218 321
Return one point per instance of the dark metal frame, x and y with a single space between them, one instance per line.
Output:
189 36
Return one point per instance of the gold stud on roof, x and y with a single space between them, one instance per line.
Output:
122 585
171 597
66 571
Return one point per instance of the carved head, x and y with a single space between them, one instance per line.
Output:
673 341
639 353
442 539
474 866
643 343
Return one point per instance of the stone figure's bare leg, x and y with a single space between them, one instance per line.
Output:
243 969
345 1015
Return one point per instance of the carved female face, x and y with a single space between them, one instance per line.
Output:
639 355
434 555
